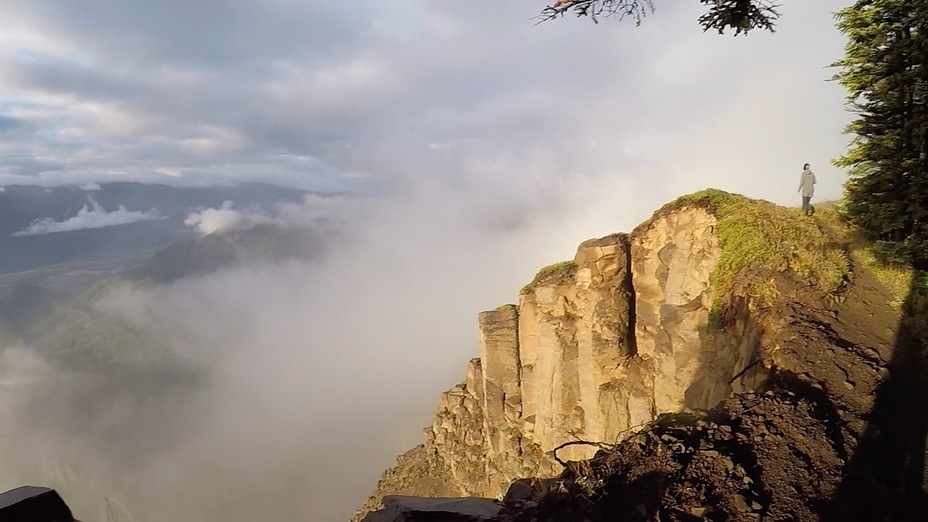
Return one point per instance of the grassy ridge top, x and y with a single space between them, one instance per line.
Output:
758 237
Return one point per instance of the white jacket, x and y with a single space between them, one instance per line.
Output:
807 183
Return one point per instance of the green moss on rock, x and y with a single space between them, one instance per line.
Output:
553 272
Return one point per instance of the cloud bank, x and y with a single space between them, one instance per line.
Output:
271 379
314 211
89 216
225 218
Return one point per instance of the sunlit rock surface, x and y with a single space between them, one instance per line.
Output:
595 349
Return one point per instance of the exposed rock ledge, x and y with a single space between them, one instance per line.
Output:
595 349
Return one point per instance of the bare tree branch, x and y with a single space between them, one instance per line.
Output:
600 445
740 15
636 9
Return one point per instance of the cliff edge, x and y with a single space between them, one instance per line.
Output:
726 360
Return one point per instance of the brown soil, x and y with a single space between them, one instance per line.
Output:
837 433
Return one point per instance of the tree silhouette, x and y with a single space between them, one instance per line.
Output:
739 15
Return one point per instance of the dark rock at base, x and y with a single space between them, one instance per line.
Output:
416 509
33 504
529 490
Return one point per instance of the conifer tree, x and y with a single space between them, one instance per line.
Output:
887 81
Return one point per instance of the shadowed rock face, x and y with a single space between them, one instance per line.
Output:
593 350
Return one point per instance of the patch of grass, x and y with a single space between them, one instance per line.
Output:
549 273
716 317
917 303
759 238
898 277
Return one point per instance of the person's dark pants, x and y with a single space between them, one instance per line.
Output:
806 207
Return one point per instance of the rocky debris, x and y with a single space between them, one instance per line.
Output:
759 456
414 509
457 440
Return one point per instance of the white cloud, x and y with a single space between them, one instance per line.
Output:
90 187
225 218
315 211
90 216
318 211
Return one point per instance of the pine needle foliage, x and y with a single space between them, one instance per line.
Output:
884 71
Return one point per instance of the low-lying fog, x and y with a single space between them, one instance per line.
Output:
287 388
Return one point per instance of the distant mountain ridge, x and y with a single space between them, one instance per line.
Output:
24 205
51 317
209 253
48 295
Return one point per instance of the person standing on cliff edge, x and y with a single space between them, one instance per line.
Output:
807 188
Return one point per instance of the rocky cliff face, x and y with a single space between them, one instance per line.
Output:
596 348
731 360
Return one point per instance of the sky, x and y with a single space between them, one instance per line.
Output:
484 145
376 96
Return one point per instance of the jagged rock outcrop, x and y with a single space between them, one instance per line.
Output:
733 360
596 348
672 261
835 432
574 345
691 365
457 438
